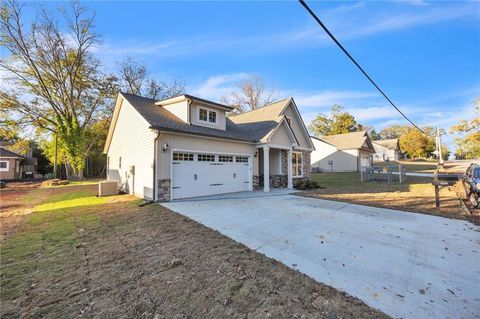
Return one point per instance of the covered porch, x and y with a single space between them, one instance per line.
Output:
275 167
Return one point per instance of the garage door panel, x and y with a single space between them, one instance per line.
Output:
200 178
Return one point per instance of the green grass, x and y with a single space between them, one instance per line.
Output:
344 182
50 232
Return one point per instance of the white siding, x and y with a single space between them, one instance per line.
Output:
179 109
193 143
297 127
342 160
281 137
133 141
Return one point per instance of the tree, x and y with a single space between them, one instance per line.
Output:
59 85
416 144
251 94
338 122
374 136
445 152
134 78
394 131
468 145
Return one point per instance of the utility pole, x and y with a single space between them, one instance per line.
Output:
439 147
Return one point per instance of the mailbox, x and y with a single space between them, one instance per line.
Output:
440 180
444 179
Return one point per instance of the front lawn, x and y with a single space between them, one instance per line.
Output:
66 253
417 194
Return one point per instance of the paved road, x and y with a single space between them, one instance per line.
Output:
405 264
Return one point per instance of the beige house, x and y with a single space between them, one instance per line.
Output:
342 152
387 150
187 147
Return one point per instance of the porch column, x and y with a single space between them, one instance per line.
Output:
289 169
266 168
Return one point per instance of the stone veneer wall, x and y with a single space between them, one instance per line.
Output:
164 190
256 182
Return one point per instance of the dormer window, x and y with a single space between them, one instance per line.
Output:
212 117
208 116
203 115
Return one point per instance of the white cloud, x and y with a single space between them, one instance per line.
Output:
348 22
219 85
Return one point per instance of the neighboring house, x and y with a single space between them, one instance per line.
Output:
342 152
187 146
387 150
9 164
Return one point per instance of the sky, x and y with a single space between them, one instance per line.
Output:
425 55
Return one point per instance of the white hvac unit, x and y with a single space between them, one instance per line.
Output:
107 188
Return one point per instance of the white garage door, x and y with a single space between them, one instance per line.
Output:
200 174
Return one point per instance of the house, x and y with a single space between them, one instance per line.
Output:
387 150
187 146
16 166
342 152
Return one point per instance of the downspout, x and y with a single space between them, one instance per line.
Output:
189 111
157 135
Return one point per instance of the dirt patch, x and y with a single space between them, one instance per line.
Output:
118 260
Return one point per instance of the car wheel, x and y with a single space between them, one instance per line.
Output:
473 200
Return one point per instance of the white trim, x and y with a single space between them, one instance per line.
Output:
301 175
6 169
289 170
299 118
266 168
207 122
209 152
202 136
282 147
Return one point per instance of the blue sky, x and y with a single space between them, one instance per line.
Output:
424 54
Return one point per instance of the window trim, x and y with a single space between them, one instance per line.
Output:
183 156
207 121
225 158
209 156
295 165
7 166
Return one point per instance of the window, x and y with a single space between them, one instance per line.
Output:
297 165
3 166
203 115
241 159
108 163
17 166
182 156
206 158
212 117
120 162
208 116
225 158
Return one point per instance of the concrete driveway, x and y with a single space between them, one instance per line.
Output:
405 264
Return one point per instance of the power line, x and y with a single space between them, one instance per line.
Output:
356 63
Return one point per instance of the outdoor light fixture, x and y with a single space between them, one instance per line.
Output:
256 153
165 147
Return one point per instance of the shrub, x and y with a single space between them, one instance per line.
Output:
308 184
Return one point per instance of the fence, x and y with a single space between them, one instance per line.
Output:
390 173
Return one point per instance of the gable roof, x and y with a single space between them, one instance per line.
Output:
272 112
390 143
253 127
347 141
9 154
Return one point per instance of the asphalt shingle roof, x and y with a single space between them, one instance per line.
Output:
251 126
345 141
7 153
390 143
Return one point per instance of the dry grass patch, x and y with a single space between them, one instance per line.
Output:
79 255
416 195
